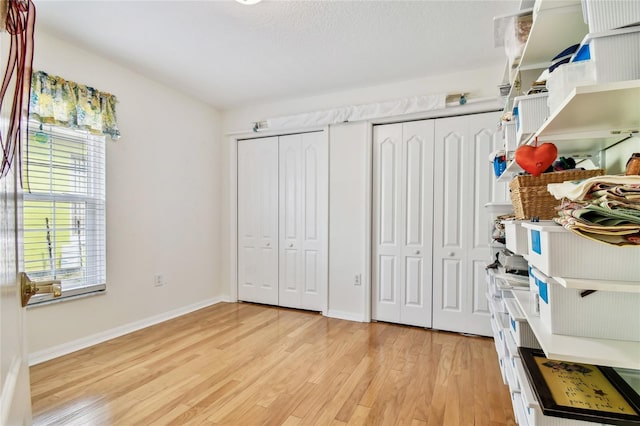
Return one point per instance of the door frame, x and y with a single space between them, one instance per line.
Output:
232 140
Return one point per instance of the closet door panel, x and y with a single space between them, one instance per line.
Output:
414 192
450 188
258 220
315 213
452 290
303 220
480 302
387 157
290 220
413 295
312 274
417 214
484 134
460 230
402 225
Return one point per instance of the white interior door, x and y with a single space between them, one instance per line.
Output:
303 220
403 222
460 244
258 220
15 399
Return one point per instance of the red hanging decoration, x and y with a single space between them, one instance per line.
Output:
536 159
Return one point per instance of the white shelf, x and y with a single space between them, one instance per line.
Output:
606 352
591 119
602 285
556 21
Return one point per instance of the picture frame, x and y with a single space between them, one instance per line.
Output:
580 391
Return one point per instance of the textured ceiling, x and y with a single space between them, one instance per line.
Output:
231 55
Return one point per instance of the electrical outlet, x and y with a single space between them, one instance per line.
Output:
158 280
357 280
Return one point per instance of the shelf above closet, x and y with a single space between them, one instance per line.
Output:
614 353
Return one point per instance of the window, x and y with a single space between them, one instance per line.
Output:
64 209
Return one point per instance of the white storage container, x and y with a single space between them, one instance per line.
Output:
518 408
567 77
534 294
558 252
492 288
512 355
502 370
530 112
519 327
516 237
510 139
496 306
602 314
603 15
615 54
500 329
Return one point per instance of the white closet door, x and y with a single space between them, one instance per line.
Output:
460 246
258 220
303 220
402 200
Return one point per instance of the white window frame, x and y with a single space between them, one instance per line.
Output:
91 193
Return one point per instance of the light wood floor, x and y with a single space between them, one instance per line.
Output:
244 364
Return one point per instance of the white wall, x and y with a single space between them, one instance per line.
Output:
349 183
163 204
349 220
617 156
479 83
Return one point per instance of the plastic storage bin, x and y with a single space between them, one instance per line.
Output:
603 15
519 327
557 252
516 237
512 355
530 112
602 314
615 54
510 140
567 77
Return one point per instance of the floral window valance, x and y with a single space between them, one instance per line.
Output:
66 103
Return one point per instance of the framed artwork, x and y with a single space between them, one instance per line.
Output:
581 391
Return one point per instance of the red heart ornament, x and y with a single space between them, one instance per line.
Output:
536 159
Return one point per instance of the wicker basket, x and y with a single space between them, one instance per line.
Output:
530 197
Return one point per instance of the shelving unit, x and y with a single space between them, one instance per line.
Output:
577 128
590 120
614 353
555 20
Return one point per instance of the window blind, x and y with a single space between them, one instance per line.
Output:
64 209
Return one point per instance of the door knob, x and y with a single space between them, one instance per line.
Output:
451 254
417 251
29 288
268 244
290 244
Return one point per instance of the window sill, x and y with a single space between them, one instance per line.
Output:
50 301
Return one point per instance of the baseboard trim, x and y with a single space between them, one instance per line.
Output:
349 316
85 342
